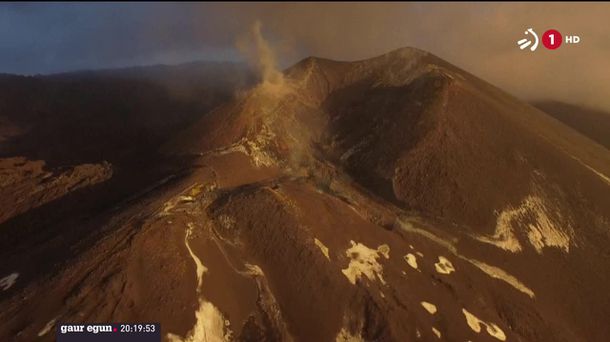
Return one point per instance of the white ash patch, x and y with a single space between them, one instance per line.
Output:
495 331
200 269
168 207
258 155
408 225
359 146
436 332
346 336
499 273
363 261
351 331
254 270
322 248
539 220
384 250
602 176
431 308
475 324
8 281
237 147
444 266
411 260
491 271
186 198
504 237
48 327
210 324
226 222
255 148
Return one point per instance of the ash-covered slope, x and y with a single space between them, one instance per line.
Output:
419 133
420 137
391 199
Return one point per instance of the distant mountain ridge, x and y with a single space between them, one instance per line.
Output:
101 112
592 123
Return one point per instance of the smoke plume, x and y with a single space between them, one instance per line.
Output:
261 56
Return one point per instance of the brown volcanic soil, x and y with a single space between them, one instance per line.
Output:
25 185
392 199
112 115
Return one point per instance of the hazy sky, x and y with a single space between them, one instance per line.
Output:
479 37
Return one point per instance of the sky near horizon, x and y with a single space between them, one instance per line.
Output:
478 37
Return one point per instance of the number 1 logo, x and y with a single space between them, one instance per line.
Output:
552 39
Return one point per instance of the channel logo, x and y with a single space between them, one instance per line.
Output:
551 39
525 42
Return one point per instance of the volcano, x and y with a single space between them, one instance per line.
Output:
397 198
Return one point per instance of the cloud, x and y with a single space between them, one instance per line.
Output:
478 37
